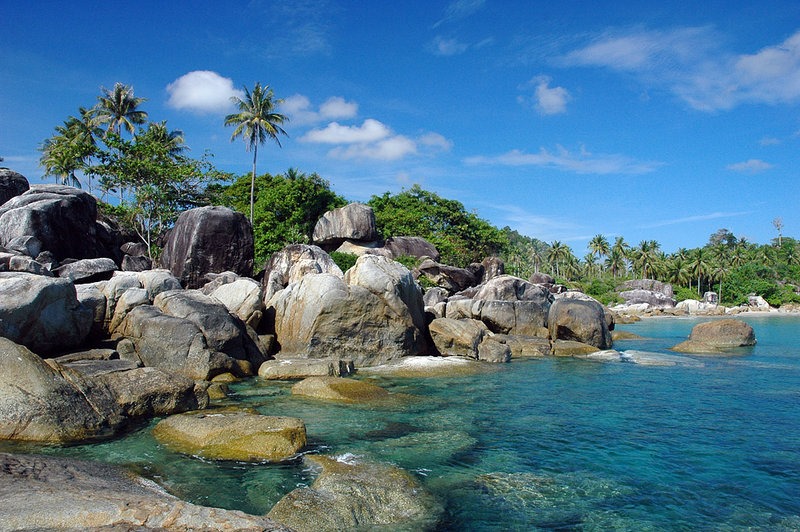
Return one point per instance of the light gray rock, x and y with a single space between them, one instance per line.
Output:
222 331
49 493
372 321
243 298
49 403
355 221
42 313
299 368
27 245
175 345
23 263
457 337
294 262
87 270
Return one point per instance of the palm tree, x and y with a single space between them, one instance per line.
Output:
599 246
646 256
69 149
256 122
699 265
556 254
118 108
173 140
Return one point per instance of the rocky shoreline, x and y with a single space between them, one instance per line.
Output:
94 339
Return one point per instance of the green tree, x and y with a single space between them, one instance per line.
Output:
460 236
162 180
287 207
646 256
699 264
70 150
556 255
599 247
118 109
256 122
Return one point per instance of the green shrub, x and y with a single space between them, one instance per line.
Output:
683 293
344 261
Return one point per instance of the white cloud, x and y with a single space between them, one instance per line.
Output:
298 107
436 141
769 141
447 47
751 166
388 149
547 100
334 133
582 162
374 140
691 63
202 91
336 107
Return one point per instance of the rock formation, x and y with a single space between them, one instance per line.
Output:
208 240
354 222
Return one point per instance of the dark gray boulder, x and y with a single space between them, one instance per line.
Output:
412 246
11 184
208 240
61 218
355 221
87 270
448 277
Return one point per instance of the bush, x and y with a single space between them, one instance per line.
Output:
683 293
344 261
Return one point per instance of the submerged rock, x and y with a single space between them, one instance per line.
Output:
351 495
339 389
233 435
47 493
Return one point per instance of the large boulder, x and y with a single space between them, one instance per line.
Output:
579 320
510 288
169 343
376 319
651 298
717 336
48 403
651 285
243 297
42 313
49 493
208 240
292 263
411 246
222 331
62 218
11 184
355 221
449 277
233 435
457 337
87 270
349 495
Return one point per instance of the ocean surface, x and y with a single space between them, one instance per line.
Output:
709 443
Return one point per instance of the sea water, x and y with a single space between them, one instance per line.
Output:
710 443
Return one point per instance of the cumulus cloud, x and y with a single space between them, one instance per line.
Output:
582 162
373 140
751 166
334 133
546 100
692 64
298 107
202 91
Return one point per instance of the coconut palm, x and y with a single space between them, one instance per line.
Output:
173 140
599 247
646 256
118 109
699 264
69 150
256 122
555 255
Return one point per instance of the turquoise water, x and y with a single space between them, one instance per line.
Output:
552 444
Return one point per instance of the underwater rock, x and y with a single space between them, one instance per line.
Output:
233 435
339 389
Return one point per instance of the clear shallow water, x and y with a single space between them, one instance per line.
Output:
553 444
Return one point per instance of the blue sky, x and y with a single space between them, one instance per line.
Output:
559 119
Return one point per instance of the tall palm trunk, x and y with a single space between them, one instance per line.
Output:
253 183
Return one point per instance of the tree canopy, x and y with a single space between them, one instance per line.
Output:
286 207
460 236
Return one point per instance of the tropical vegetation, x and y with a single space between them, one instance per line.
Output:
141 172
